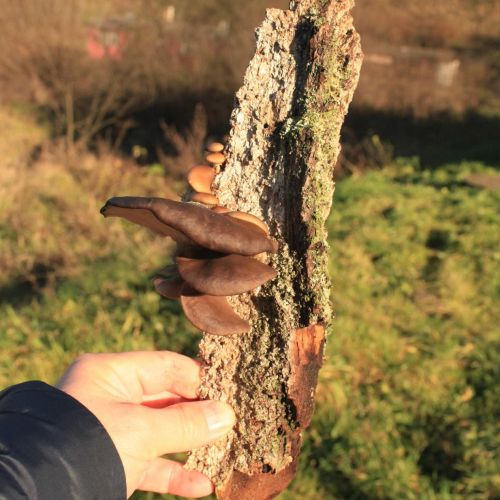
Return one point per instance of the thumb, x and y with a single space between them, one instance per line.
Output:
185 426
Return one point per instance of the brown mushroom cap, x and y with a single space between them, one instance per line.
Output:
205 198
200 178
143 217
225 275
250 218
197 224
211 314
216 158
215 147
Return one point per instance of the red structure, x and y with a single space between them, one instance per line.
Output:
106 42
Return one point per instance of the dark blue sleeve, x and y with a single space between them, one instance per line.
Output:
53 448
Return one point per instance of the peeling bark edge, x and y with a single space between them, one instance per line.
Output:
283 145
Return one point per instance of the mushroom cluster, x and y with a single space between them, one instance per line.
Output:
216 248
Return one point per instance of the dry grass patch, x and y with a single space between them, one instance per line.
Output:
51 221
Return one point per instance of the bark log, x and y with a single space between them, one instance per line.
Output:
283 145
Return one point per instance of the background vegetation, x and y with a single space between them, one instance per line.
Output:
408 400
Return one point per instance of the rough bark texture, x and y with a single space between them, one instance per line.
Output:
283 145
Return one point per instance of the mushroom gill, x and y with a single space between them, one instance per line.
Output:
225 275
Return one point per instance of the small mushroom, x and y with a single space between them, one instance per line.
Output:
215 158
215 147
205 198
211 314
250 218
198 225
220 209
225 275
200 178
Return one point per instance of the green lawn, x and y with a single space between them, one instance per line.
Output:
408 404
408 401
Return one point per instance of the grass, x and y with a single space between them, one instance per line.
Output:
70 281
24 136
408 399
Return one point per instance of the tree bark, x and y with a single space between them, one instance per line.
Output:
283 145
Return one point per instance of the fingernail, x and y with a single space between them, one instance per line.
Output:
219 417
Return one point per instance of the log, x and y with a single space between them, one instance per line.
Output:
282 148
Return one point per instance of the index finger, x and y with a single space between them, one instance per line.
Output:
144 373
166 371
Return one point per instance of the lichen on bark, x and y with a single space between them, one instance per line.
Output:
283 145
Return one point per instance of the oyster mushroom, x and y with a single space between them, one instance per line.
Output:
251 219
194 223
225 275
215 147
211 314
220 210
215 158
205 198
200 178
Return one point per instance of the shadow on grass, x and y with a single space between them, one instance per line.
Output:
176 109
443 455
24 290
335 482
437 140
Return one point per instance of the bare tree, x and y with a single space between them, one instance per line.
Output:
283 145
45 54
188 145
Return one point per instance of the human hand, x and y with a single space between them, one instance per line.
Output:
147 403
